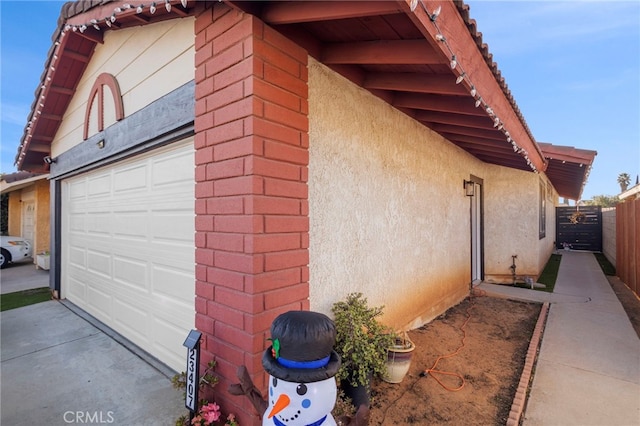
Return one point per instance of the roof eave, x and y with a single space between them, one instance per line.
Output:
494 99
568 169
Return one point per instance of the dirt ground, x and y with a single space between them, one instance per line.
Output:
489 354
629 301
491 349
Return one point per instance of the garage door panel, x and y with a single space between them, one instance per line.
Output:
77 222
77 257
82 243
127 314
98 223
128 253
99 301
77 191
172 226
77 289
169 336
99 187
170 204
131 179
130 272
179 262
180 167
99 263
131 225
171 282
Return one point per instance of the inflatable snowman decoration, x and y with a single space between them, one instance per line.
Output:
301 364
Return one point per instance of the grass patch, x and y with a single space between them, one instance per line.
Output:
24 298
549 274
605 265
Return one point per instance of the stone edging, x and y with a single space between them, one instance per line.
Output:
521 393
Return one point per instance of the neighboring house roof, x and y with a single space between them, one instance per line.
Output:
631 193
568 168
429 63
18 180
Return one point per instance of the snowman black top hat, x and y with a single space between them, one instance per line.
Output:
302 348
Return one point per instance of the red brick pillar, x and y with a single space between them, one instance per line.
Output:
252 225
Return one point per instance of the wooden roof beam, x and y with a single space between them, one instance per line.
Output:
68 54
470 131
411 82
452 104
292 12
53 117
39 147
91 34
406 52
454 119
477 141
61 90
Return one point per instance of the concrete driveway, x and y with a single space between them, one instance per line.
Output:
60 367
22 276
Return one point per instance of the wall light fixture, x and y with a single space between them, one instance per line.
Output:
469 188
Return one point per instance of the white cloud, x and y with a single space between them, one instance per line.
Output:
519 26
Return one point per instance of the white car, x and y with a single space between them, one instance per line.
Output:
14 249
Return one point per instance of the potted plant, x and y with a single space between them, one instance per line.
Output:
362 343
399 358
42 260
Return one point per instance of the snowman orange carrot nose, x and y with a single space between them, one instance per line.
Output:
281 404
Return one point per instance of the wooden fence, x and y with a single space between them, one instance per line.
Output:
628 243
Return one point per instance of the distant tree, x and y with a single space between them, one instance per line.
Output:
624 180
602 200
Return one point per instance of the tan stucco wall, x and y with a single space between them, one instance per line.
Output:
42 232
38 192
15 214
147 61
388 216
512 224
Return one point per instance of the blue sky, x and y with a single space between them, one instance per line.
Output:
573 68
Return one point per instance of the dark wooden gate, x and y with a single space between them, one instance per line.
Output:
581 227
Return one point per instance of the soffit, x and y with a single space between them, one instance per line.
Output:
404 57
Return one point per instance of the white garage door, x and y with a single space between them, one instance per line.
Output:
128 248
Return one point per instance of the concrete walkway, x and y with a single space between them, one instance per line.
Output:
588 368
